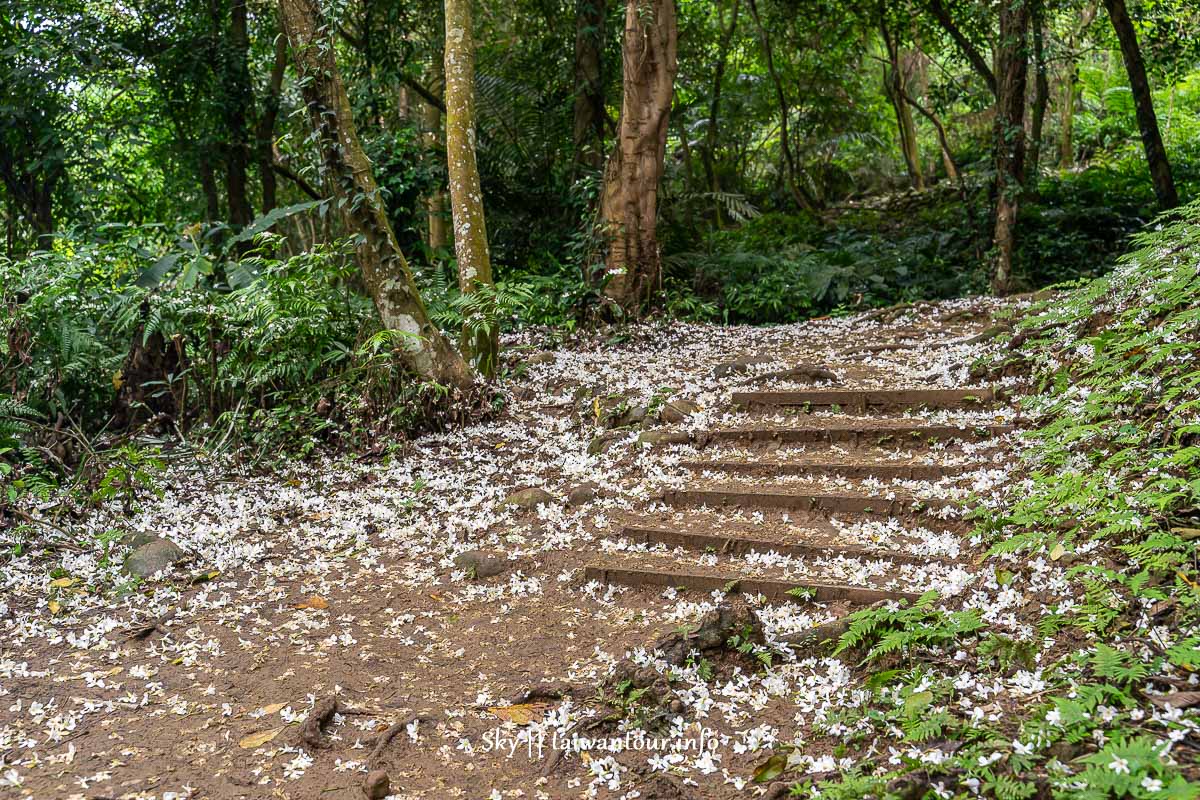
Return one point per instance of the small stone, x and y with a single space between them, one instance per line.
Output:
136 540
540 358
678 410
599 444
376 786
584 493
529 499
634 416
739 366
152 557
479 564
663 437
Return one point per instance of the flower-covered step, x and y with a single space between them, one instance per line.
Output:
864 400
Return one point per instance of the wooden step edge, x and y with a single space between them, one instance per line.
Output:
862 399
830 503
896 436
915 472
738 546
775 590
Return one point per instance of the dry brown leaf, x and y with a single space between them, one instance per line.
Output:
274 708
259 739
522 713
315 602
1177 700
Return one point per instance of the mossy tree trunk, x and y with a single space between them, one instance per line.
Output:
480 339
423 349
1012 67
895 88
1139 85
590 115
629 203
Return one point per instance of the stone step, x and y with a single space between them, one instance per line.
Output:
863 400
740 545
803 501
773 590
880 470
885 435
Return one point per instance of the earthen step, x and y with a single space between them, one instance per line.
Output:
740 545
882 471
802 501
775 590
869 399
893 435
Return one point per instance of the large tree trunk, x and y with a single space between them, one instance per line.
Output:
237 101
1156 154
802 197
589 83
1041 95
1011 74
708 154
629 204
386 275
480 339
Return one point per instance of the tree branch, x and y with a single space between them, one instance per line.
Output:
304 185
942 14
426 95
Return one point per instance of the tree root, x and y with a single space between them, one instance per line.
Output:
144 631
386 737
310 729
811 639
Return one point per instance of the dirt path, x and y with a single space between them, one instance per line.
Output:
347 579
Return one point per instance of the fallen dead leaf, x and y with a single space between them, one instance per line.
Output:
522 713
55 607
1176 700
274 708
314 602
62 583
259 739
1058 552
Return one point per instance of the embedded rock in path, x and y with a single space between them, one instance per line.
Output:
663 437
152 557
600 444
529 499
583 493
544 357
678 410
479 564
739 366
376 786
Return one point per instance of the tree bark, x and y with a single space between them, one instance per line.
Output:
481 336
237 101
437 231
802 197
1070 73
1012 71
423 349
629 202
1041 95
1139 84
264 139
589 83
708 154
975 58
895 88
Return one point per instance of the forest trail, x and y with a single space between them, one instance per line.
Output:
526 556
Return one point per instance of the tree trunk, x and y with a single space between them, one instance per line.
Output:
1041 95
1070 73
481 333
708 154
629 202
1156 154
1011 75
895 87
264 139
208 185
423 349
802 197
589 83
238 101
437 232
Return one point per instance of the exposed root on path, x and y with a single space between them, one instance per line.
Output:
310 729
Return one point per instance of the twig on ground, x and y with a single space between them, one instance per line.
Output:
150 627
386 737
310 729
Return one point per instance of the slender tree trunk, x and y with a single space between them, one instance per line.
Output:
948 162
708 154
629 203
1139 84
801 195
481 337
589 83
1070 73
1011 76
437 231
895 87
208 184
238 101
386 275
264 138
1041 95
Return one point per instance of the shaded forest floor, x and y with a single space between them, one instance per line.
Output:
341 579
